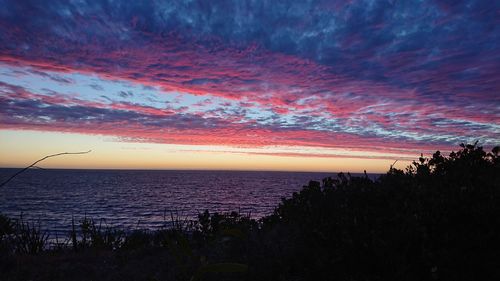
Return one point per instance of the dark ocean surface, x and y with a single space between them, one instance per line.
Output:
143 199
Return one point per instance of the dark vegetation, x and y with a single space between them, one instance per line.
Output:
437 220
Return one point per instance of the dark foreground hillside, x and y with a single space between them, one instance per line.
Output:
437 220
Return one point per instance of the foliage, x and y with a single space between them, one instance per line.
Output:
436 220
97 236
6 230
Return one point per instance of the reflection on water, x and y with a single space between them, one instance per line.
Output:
141 199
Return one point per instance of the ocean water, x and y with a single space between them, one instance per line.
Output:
143 199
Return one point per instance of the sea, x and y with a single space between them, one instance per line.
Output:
142 199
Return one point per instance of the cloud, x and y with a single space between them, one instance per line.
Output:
21 109
361 73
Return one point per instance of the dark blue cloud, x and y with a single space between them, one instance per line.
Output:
416 60
354 38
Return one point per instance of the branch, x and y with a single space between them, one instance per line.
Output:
393 164
40 160
36 167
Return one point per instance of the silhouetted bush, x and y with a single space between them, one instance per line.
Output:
96 236
439 219
6 231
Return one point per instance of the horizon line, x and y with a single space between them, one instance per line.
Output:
193 170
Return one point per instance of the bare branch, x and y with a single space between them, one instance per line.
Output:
37 167
394 164
40 160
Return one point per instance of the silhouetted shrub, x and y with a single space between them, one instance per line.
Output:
97 236
6 231
438 219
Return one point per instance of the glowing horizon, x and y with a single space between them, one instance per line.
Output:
244 85
109 153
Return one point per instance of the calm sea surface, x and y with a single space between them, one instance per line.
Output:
142 199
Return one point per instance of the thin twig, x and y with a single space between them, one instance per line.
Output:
393 164
39 168
40 160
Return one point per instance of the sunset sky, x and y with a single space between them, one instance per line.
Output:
246 85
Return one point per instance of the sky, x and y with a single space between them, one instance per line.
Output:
246 85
